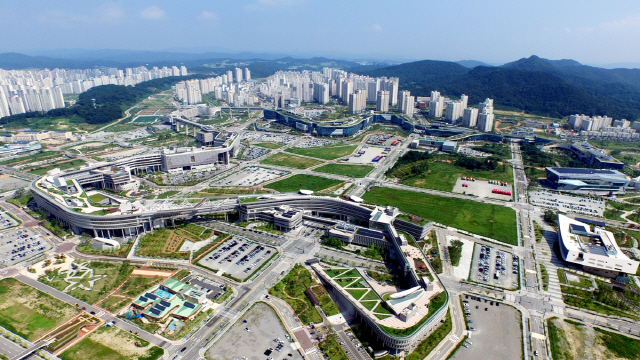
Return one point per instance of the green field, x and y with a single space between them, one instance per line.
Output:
358 171
326 153
28 312
497 222
573 340
443 175
42 170
297 162
302 181
111 343
269 145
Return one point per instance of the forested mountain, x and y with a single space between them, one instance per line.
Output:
555 88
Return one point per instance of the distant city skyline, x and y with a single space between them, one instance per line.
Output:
494 32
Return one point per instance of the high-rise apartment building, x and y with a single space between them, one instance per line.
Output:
470 117
485 115
247 74
238 77
382 102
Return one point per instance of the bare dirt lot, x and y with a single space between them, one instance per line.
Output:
264 326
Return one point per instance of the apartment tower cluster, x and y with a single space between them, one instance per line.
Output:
234 88
290 88
23 91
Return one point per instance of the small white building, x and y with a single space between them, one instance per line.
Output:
596 250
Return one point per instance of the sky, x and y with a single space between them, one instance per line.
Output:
492 31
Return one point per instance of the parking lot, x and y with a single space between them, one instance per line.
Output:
370 152
250 176
6 221
238 257
19 245
465 150
268 137
483 189
567 203
259 342
308 141
255 152
11 183
384 140
494 267
497 331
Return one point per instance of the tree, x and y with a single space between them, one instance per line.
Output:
455 252
550 217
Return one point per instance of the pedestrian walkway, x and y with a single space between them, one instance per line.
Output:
546 256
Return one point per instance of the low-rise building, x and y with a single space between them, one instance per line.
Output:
579 179
594 249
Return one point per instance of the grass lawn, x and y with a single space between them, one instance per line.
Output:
28 312
326 304
167 194
302 181
545 277
382 310
358 171
443 175
296 162
356 293
291 289
494 221
369 304
41 170
269 145
327 153
112 344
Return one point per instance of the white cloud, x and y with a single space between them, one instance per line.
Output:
208 15
626 24
152 13
377 27
110 11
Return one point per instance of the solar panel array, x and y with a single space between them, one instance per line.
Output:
150 296
160 307
154 311
144 299
189 305
164 303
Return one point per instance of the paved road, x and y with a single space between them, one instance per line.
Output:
9 348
